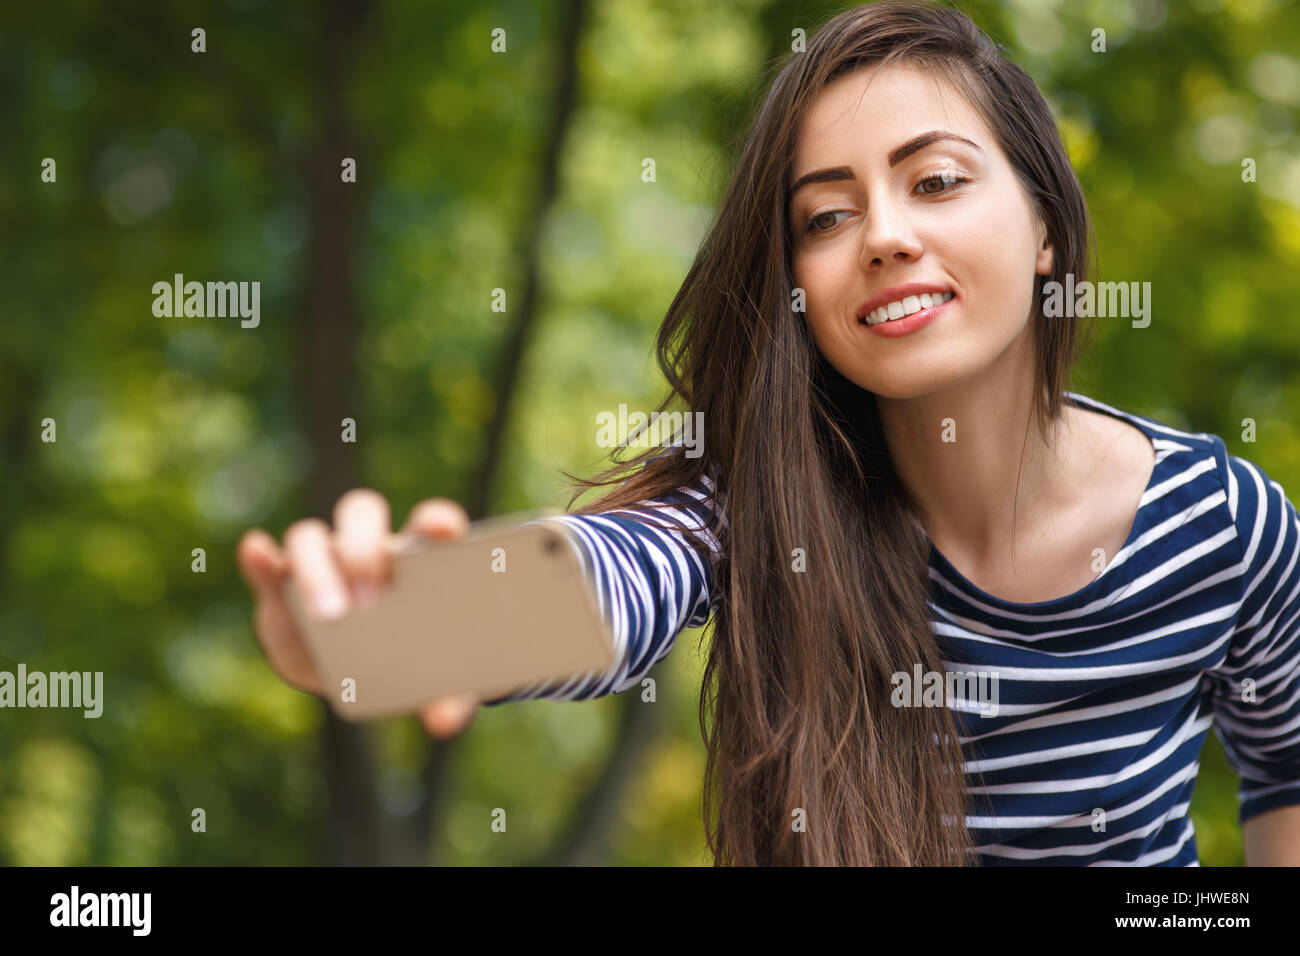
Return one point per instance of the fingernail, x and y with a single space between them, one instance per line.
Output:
330 603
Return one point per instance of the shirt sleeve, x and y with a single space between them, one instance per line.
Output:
649 581
1257 694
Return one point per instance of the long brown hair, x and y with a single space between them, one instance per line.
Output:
799 672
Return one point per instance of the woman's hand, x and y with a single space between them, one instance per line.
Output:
336 571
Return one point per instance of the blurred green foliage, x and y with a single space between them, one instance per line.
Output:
175 434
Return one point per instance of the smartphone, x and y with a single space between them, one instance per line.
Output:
505 605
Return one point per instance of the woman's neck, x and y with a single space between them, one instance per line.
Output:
975 463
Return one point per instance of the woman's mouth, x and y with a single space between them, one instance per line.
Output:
905 315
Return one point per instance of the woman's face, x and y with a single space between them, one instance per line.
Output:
877 224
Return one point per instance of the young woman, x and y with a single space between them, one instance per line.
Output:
896 487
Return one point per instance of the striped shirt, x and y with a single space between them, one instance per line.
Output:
1103 697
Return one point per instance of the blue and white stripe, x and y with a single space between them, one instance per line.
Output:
1105 696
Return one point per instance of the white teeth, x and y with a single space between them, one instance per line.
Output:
906 306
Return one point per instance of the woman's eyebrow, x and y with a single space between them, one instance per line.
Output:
838 173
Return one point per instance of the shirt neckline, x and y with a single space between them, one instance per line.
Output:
946 568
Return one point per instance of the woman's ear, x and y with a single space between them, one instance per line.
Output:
1043 261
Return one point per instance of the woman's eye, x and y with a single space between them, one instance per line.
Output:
812 223
941 180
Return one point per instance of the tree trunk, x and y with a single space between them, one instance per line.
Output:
327 327
583 838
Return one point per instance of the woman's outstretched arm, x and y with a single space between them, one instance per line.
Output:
649 581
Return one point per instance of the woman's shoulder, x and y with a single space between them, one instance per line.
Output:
1255 501
1258 502
1166 437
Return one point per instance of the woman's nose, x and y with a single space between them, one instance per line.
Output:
887 235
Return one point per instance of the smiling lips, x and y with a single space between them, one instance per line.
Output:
904 306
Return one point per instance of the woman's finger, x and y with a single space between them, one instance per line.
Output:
362 528
310 551
261 563
437 518
264 567
278 634
448 716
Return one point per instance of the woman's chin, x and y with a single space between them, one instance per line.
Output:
913 383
